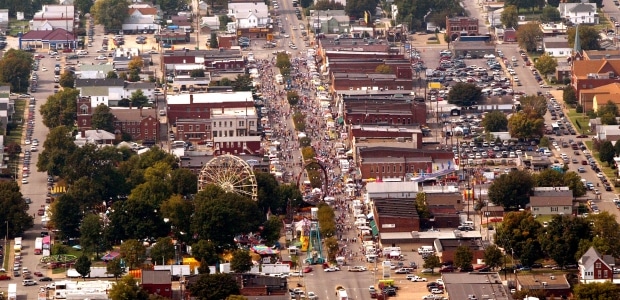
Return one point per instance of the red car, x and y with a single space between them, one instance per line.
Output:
38 274
307 269
5 277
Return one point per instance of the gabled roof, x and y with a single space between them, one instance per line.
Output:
156 277
583 7
57 34
132 114
151 11
581 68
592 255
612 88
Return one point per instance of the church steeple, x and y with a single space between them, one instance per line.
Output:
577 46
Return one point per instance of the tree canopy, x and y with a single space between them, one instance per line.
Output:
110 13
464 94
528 36
512 190
60 108
13 210
524 126
214 286
510 17
103 118
588 36
128 288
546 64
495 121
15 68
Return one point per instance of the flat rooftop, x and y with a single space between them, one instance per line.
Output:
483 285
210 98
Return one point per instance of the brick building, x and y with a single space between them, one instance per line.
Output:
400 67
593 266
142 124
458 26
211 60
390 161
157 282
378 110
443 216
396 215
590 74
447 248
363 81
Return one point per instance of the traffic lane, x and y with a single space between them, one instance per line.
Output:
474 11
529 84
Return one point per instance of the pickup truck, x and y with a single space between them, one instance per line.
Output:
416 278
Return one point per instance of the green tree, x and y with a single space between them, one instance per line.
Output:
573 181
493 257
544 141
271 230
550 14
242 83
524 126
518 233
15 67
421 206
115 268
214 286
288 192
172 5
197 73
511 190
331 245
548 178
83 6
110 13
569 96
560 239
528 36
324 5
56 149
133 252
292 97
606 153
163 250
90 233
617 147
206 251
128 288
283 61
609 108
66 217
546 64
463 257
534 106
605 227
67 80
112 75
241 261
588 36
431 262
82 266
510 17
384 69
267 189
138 99
60 108
213 43
103 118
608 119
137 219
464 94
599 291
178 210
14 214
223 22
495 121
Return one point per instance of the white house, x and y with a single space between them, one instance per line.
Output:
106 91
142 18
494 17
249 14
93 71
147 89
551 201
594 267
557 46
579 13
51 17
212 22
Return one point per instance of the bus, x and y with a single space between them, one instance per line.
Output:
38 246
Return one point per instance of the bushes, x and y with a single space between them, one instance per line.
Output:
299 119
308 153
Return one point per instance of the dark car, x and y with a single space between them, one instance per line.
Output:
46 279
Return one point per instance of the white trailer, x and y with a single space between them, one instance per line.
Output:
12 292
99 272
276 268
175 270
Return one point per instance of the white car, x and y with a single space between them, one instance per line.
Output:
417 279
437 291
286 35
24 181
312 296
101 57
332 269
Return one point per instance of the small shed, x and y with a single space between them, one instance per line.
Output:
157 282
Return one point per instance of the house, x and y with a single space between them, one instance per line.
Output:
212 23
157 282
106 91
579 13
142 17
608 133
147 88
4 19
594 267
52 17
332 21
93 71
248 15
462 286
557 47
446 248
58 39
551 201
95 136
460 26
553 285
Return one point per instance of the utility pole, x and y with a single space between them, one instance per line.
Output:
197 16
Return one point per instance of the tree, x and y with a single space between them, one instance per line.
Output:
239 297
607 231
548 178
331 245
138 99
550 14
546 64
15 67
66 217
112 75
421 207
127 288
464 94
183 182
323 5
241 261
560 239
103 118
178 210
271 230
56 149
197 73
82 266
511 190
110 13
606 153
242 83
172 5
90 233
115 268
495 121
588 36
383 69
528 36
463 257
510 17
133 252
493 257
214 286
609 108
573 181
534 106
205 251
569 96
517 233
13 210
608 119
213 42
137 219
599 291
223 22
83 6
292 97
163 250
60 108
431 262
67 79
524 126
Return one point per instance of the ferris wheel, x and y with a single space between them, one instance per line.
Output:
230 173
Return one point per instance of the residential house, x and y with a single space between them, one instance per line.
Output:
147 88
157 282
608 133
594 267
248 15
4 19
458 26
557 47
554 285
332 21
142 18
213 23
553 29
106 91
52 17
551 201
93 71
7 106
579 13
95 136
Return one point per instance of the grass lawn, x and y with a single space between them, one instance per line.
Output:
16 26
581 119
609 172
16 134
545 218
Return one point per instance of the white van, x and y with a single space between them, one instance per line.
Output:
425 249
468 223
178 144
28 282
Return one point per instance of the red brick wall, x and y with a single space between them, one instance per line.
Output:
201 110
160 289
402 224
358 83
448 255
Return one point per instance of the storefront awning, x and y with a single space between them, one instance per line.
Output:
373 227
